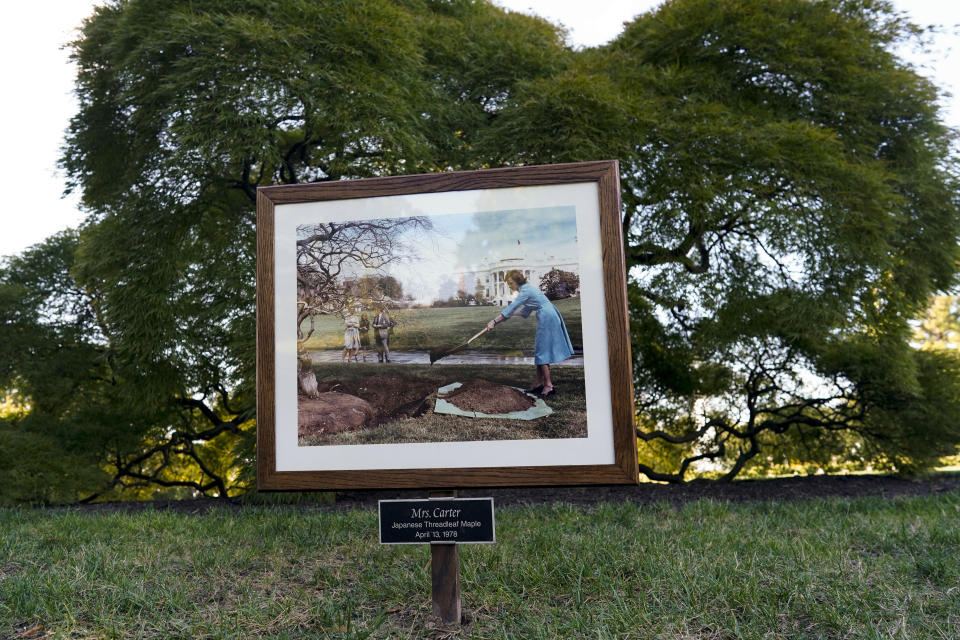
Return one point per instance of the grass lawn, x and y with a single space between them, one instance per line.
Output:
425 329
826 568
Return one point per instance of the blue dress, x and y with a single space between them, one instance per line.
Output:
552 343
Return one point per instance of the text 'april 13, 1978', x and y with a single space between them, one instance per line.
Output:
448 520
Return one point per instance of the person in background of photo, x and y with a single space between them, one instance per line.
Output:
382 324
364 335
552 342
351 337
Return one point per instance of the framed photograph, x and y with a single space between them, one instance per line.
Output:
450 330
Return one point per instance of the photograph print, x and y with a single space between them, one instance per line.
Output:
449 327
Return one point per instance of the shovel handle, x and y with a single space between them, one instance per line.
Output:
478 335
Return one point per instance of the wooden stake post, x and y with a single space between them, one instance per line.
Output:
445 574
444 522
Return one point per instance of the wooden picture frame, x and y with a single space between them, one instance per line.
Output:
606 454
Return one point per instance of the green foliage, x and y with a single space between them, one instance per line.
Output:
185 108
790 202
51 354
35 468
789 205
103 420
939 328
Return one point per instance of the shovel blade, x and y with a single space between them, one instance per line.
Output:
443 353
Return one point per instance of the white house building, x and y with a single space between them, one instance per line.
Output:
491 275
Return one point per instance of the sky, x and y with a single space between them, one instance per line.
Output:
38 80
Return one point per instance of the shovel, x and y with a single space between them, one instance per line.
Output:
436 354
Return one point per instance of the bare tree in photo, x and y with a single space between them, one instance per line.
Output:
329 252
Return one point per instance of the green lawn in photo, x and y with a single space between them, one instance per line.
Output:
429 328
866 568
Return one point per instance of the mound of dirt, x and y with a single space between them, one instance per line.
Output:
483 396
372 400
332 412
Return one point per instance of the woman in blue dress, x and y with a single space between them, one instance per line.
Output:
552 343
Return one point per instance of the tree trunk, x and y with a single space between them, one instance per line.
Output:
306 378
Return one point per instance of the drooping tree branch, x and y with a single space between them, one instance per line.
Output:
769 406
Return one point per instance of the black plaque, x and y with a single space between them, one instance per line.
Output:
437 521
